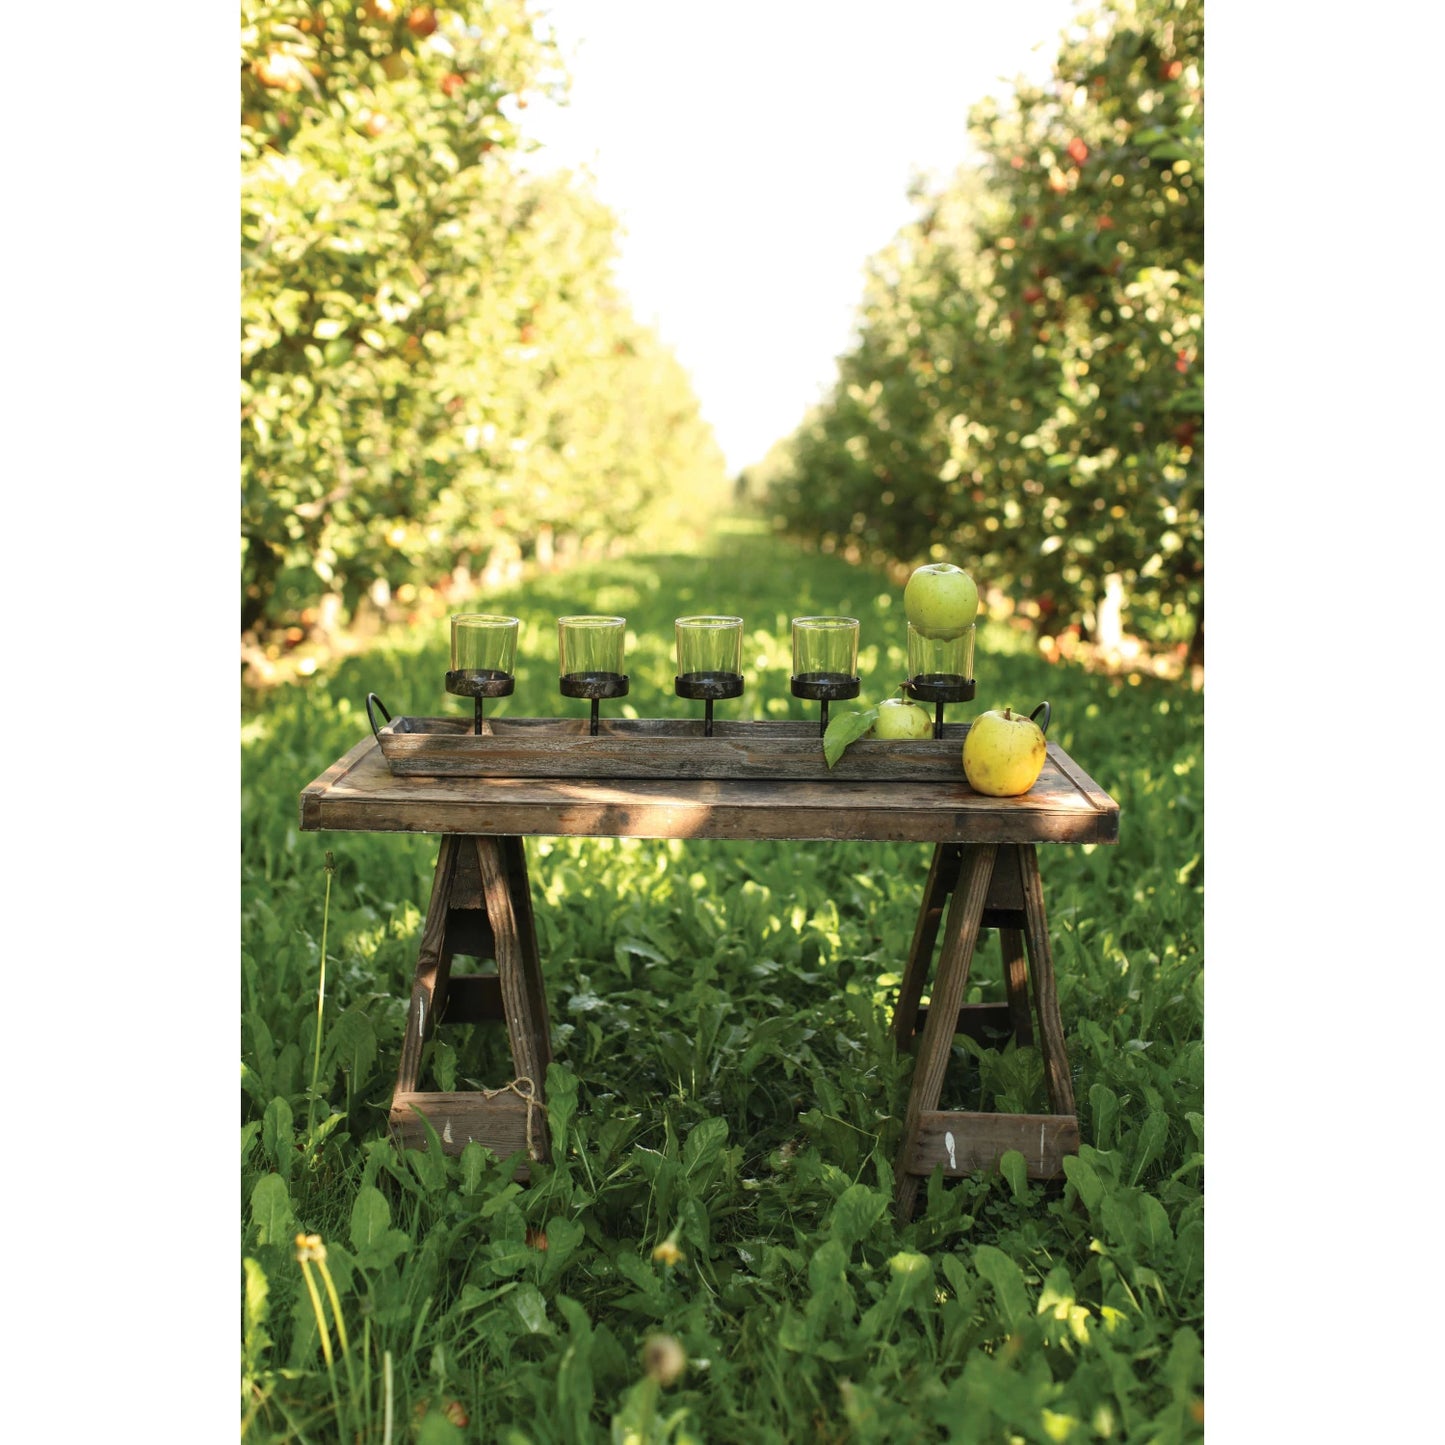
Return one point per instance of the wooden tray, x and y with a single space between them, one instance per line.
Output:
529 747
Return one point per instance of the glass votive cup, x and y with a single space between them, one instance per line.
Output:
590 647
709 646
940 659
484 642
825 649
709 661
825 661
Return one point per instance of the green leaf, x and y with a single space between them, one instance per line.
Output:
641 1273
370 1217
856 1210
436 1429
531 1309
1149 1142
1007 1280
1184 1368
845 729
563 1237
1081 1175
257 1288
271 1213
276 1136
1105 1104
1154 1220
1015 1169
703 1143
561 1088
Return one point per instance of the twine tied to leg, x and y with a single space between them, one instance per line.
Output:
525 1090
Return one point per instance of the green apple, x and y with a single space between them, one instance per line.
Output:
900 718
940 600
1003 753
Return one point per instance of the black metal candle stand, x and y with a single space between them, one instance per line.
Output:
939 688
825 687
594 686
477 683
708 687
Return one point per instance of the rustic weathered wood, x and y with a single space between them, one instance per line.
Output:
960 932
498 1120
514 854
1005 911
428 989
1016 984
361 793
942 873
963 1142
656 748
1046 1000
526 1026
467 883
469 932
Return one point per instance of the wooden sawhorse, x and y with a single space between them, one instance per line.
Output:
481 906
991 886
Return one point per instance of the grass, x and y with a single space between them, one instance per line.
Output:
713 1254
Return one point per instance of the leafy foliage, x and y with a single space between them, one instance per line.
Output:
1026 392
437 369
726 1102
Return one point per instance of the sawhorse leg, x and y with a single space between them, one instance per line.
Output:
991 885
480 905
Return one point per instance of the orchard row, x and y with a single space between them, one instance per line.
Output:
1027 385
437 369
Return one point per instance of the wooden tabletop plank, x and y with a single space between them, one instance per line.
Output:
359 792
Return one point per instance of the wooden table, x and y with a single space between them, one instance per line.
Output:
984 874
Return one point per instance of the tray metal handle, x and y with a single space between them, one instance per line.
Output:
1048 713
373 702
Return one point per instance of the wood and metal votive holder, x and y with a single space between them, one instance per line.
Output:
940 670
589 652
484 652
709 661
825 661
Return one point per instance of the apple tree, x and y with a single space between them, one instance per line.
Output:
1097 240
436 364
1026 390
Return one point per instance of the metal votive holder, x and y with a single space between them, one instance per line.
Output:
825 661
484 653
940 670
709 661
589 655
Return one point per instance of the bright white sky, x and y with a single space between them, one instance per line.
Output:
757 154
